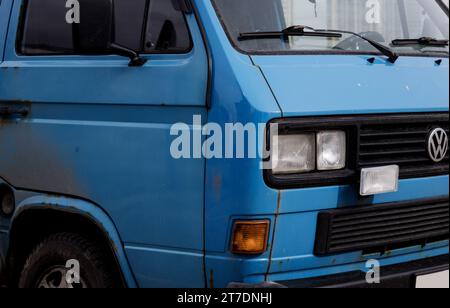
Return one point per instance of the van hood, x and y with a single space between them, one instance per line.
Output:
325 85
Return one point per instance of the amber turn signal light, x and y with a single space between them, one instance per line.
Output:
250 237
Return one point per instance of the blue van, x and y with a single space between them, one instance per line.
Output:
109 175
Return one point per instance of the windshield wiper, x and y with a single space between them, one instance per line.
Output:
300 31
291 31
425 41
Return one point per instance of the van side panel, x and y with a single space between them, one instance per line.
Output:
5 9
101 131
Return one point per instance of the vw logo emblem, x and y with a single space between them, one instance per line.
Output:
437 144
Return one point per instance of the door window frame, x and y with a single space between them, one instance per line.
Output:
21 27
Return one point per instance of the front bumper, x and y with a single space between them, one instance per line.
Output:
402 275
292 256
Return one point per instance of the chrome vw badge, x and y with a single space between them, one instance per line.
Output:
438 144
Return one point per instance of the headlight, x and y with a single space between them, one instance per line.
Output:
293 153
331 150
301 153
379 180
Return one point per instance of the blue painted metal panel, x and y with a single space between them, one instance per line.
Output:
407 256
102 134
119 163
302 86
169 268
100 131
293 256
5 9
324 85
314 199
234 187
295 234
165 80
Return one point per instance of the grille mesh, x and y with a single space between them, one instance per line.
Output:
382 227
402 144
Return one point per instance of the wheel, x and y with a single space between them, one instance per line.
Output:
55 262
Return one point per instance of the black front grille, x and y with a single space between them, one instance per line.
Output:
373 141
403 144
377 228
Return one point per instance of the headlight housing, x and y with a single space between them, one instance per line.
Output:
331 150
303 153
293 153
371 141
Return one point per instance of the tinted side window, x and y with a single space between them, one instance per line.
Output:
166 29
129 20
46 32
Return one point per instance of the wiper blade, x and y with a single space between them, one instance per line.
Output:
425 41
388 52
291 31
300 31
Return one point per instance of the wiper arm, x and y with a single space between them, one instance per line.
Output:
425 41
388 52
300 31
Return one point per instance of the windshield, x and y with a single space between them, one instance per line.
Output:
382 21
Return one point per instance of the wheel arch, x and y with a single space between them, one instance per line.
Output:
40 216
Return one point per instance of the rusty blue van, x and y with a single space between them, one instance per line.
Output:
348 102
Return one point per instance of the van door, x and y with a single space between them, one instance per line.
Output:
100 130
5 9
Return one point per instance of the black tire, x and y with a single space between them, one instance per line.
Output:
54 252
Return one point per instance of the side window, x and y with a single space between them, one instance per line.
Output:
129 22
45 30
166 29
146 26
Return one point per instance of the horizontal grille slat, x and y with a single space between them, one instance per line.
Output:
388 142
391 212
405 126
390 236
409 239
378 226
380 223
404 144
393 152
399 228
393 161
393 133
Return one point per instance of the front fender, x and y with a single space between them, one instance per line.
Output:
89 211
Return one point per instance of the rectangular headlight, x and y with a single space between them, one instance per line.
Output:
331 150
379 180
293 153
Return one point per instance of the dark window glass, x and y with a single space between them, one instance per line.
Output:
45 30
166 28
129 17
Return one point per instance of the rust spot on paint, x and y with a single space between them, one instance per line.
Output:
217 185
211 279
277 214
